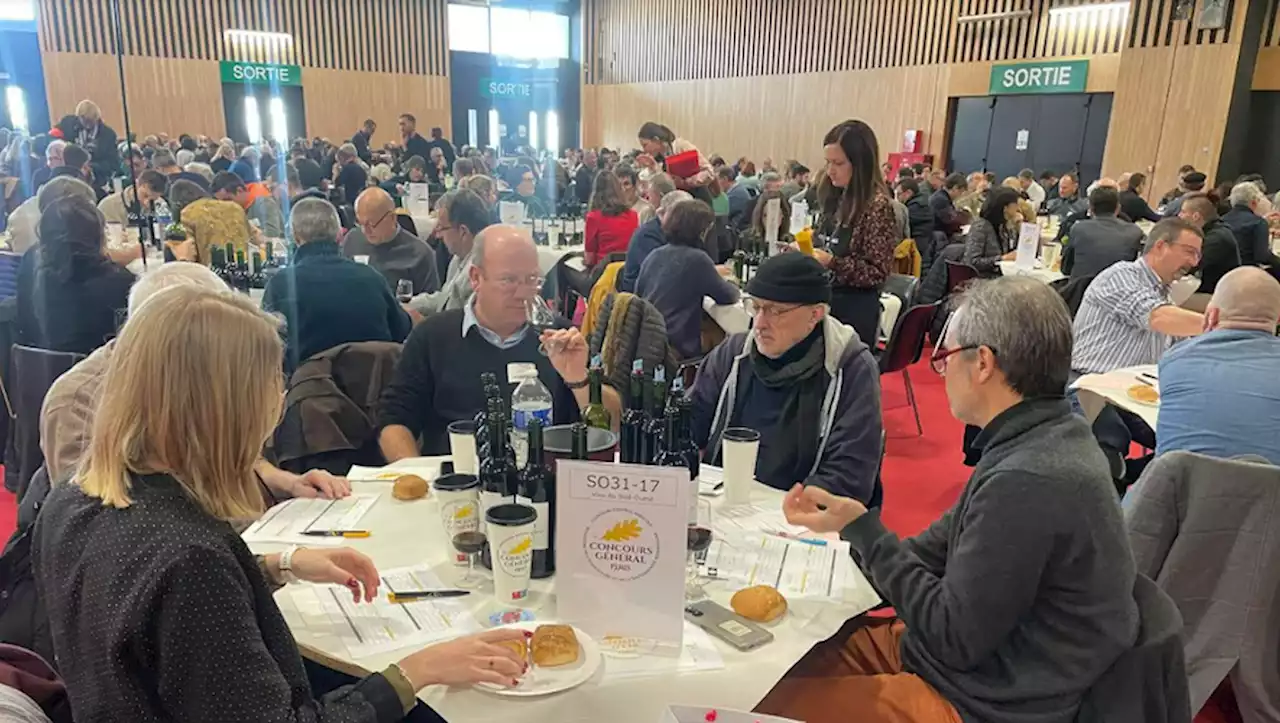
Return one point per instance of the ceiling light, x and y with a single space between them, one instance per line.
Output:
989 17
1072 10
257 35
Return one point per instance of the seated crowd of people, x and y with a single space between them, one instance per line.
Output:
160 442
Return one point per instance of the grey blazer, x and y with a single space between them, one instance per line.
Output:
1208 532
1096 243
984 246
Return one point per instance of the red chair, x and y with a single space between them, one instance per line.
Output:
959 274
905 346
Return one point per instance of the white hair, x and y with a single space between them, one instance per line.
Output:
55 149
183 157
167 276
1246 194
381 173
314 219
203 169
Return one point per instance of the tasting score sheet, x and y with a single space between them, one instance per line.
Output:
797 569
366 628
287 521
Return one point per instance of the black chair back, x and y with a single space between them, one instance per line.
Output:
33 372
959 274
904 287
907 341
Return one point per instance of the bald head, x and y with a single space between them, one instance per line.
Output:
376 215
1245 298
1108 183
505 276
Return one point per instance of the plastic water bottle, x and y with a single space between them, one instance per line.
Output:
163 219
530 399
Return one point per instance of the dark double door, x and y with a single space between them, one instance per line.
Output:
1007 133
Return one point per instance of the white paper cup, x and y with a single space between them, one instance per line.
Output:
459 499
1049 254
462 446
511 528
740 447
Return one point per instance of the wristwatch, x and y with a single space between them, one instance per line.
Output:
578 385
286 564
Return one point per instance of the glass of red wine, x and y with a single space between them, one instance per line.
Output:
470 543
698 542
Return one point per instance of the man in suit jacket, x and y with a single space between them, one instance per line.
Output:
1098 242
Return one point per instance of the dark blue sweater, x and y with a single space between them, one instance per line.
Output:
674 279
647 237
327 300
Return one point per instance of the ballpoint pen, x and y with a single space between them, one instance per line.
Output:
336 533
412 596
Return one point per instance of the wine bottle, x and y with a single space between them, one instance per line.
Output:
595 414
578 441
669 453
536 482
684 435
632 427
653 421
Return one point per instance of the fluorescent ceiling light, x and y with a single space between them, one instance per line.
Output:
1071 10
17 10
989 17
257 35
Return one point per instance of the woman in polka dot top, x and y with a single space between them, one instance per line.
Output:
157 609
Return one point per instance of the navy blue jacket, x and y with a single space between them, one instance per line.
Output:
647 237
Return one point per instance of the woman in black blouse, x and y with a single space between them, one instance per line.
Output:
157 609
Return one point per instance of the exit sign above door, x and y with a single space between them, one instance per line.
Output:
1062 76
236 72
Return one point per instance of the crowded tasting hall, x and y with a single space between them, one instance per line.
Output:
552 361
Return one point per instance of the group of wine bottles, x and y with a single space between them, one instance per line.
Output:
562 230
230 265
502 481
752 251
657 425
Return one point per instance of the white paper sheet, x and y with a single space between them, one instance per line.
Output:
696 714
380 626
286 522
697 654
756 518
799 570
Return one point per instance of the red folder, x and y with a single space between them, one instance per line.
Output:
684 164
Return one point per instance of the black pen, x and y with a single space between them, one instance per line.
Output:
336 533
403 597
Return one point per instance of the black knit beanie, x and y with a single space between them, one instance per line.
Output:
791 278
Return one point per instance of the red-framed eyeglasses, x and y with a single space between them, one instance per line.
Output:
940 355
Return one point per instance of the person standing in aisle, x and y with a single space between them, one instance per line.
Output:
858 220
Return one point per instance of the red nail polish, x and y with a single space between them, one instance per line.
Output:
514 682
528 634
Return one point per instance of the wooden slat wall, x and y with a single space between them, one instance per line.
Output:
384 36
1271 27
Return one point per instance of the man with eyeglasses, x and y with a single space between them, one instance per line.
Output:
1019 598
438 378
392 251
460 217
1126 319
800 378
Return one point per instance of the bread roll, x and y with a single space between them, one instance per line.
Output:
554 645
409 487
519 647
761 603
1143 393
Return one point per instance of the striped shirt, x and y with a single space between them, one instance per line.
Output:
1113 326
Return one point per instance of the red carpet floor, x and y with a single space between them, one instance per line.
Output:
923 474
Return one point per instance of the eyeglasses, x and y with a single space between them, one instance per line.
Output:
772 312
371 224
1195 252
940 355
511 282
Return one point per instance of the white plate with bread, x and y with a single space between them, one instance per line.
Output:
560 657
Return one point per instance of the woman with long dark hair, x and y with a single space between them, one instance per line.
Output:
660 144
76 290
1132 204
993 236
858 220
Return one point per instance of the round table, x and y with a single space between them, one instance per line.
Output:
549 256
409 533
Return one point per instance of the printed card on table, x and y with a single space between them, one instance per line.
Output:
696 714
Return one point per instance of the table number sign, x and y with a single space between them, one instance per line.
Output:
621 536
1028 246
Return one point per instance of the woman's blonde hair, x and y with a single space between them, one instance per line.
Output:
88 109
193 390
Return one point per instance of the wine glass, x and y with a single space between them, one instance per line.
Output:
540 317
698 541
470 543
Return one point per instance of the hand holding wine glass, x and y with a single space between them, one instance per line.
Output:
567 351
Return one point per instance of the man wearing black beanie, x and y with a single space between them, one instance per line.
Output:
800 378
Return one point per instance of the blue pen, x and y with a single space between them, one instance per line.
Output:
803 540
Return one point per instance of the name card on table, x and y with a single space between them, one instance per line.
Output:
1028 246
621 541
418 192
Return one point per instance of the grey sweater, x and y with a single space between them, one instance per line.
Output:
1021 596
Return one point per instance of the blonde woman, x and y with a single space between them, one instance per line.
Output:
156 608
223 157
1025 208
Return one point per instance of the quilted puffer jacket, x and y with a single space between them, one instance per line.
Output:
630 328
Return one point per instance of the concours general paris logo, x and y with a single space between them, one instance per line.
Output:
621 544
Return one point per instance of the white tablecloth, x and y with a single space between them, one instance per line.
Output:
424 223
1009 268
735 318
407 533
1097 390
549 256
